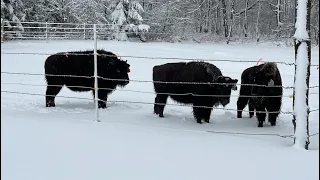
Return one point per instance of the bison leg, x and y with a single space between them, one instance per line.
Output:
272 118
198 114
241 104
102 98
274 109
201 109
159 104
251 108
52 91
242 101
202 113
207 113
261 114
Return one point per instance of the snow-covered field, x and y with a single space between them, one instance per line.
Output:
131 142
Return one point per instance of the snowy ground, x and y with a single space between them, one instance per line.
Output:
131 143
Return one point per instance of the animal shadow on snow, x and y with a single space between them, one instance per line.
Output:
91 105
76 105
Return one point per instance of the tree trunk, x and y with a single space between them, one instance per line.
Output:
245 23
224 11
231 24
257 24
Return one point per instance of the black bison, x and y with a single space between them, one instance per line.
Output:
81 63
202 96
268 77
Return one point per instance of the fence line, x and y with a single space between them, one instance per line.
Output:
148 81
291 64
164 58
257 134
70 32
209 131
80 24
148 103
146 92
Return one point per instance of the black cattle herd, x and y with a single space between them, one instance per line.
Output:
198 83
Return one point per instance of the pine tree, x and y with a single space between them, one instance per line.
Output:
12 13
126 17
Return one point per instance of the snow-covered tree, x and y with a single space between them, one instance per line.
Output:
60 11
12 13
126 17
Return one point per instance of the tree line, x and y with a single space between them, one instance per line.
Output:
172 19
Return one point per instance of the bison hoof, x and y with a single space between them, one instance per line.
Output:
239 115
102 105
50 105
273 123
155 112
161 115
260 124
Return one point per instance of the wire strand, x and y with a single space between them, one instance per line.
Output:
145 92
210 131
147 81
164 58
146 103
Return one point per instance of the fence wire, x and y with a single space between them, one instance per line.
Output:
149 81
149 103
146 92
257 134
210 131
164 58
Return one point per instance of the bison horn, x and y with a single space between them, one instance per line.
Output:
234 87
271 82
224 78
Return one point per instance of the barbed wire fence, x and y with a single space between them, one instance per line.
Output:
146 81
149 103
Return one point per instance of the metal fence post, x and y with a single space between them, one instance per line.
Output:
95 72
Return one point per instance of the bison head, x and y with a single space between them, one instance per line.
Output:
224 86
120 72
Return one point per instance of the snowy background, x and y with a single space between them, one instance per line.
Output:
131 142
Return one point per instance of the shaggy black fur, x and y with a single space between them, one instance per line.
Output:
69 63
192 72
265 74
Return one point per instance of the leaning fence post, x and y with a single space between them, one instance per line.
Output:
302 74
95 72
2 32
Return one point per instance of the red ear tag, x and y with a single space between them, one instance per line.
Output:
128 70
